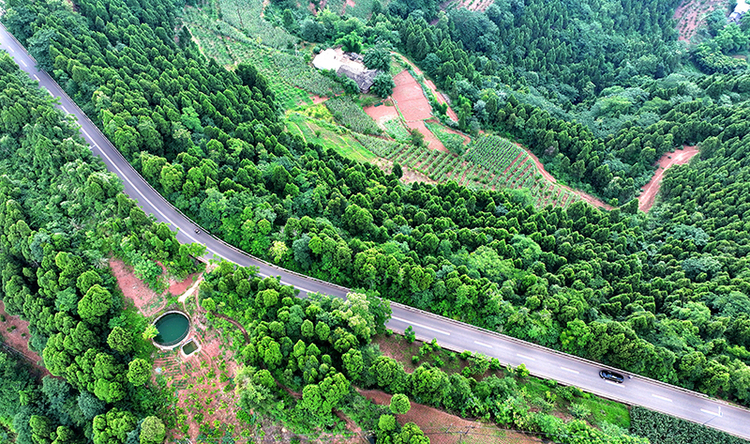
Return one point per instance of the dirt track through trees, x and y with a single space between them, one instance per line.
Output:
651 189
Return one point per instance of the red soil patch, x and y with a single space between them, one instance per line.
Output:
145 299
15 335
198 385
317 100
690 16
386 111
415 107
679 157
443 428
440 97
410 99
430 139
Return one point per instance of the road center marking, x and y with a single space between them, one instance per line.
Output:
64 109
711 413
414 324
482 344
661 397
525 357
24 63
570 370
36 77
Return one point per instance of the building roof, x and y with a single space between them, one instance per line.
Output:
364 78
327 59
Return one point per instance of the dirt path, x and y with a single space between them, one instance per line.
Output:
651 189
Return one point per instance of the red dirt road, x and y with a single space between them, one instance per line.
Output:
679 157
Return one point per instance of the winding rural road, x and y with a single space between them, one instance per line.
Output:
453 335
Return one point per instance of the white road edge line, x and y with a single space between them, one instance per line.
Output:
660 397
414 324
36 77
525 357
66 110
570 370
126 178
482 344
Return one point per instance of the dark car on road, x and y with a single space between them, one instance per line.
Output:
611 376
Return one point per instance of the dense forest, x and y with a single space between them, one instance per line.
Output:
664 294
583 86
62 216
661 295
320 347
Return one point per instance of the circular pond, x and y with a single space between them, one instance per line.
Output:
172 327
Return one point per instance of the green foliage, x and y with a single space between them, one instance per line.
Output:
378 57
383 85
139 371
350 114
400 404
152 431
661 428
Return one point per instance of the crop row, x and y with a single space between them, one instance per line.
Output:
247 15
350 115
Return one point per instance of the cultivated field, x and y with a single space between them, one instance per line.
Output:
290 76
489 162
690 15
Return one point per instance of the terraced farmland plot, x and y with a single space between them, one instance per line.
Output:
247 15
289 76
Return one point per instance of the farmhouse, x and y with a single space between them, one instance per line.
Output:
347 64
739 10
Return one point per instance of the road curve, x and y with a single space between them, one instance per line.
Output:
450 334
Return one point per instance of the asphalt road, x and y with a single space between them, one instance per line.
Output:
453 335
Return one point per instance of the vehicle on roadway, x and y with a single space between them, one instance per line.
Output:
611 376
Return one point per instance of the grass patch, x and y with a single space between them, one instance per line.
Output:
604 410
396 130
327 134
349 114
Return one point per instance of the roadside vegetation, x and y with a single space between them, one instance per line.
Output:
62 216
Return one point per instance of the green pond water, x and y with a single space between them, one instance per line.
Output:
189 347
173 328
